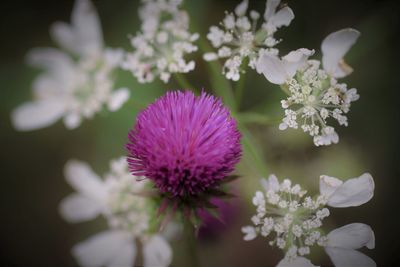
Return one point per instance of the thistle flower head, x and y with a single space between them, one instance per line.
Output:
185 144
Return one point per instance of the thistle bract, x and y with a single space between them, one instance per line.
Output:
186 144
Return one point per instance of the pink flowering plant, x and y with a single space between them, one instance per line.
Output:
183 149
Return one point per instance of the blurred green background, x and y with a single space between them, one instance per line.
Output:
33 234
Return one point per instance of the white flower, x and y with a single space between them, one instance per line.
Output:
72 89
274 18
342 243
282 210
250 232
334 47
117 199
314 94
351 193
164 40
296 224
297 262
239 37
279 71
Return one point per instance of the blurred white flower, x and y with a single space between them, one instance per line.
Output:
342 243
297 262
162 43
239 36
351 193
117 198
314 94
295 220
68 88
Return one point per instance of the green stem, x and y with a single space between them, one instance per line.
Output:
184 83
191 255
220 85
256 118
239 90
285 89
254 157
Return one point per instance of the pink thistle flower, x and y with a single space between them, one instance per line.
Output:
186 144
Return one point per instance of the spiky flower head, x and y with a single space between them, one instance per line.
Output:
186 144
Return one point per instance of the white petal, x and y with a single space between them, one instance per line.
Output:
328 185
72 120
86 23
295 59
48 58
125 256
113 57
63 34
36 115
353 192
334 47
297 262
103 248
78 208
172 230
157 252
241 9
250 233
118 98
210 56
60 67
283 17
82 178
270 7
348 257
271 184
272 68
352 236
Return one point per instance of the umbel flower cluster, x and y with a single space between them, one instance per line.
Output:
295 220
314 93
162 43
119 198
184 147
78 79
240 38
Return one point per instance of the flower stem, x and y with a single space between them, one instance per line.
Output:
285 89
184 83
191 248
239 90
256 118
240 84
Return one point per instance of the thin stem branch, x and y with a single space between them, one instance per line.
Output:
184 83
190 235
256 118
239 90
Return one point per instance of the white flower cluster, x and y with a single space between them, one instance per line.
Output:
239 37
314 93
118 199
295 220
126 209
78 78
164 40
318 98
